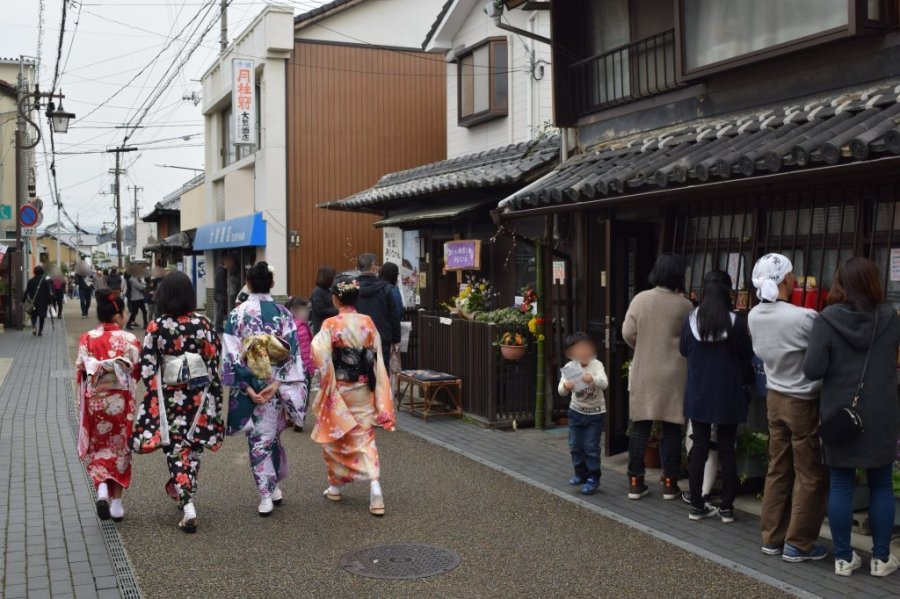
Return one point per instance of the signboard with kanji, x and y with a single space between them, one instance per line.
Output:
464 254
243 101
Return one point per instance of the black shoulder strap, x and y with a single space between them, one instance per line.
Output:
862 377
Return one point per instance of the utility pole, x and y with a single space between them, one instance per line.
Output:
136 209
58 225
223 32
21 193
118 171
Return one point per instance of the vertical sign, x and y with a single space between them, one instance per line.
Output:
393 245
243 101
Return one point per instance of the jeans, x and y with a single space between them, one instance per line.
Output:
881 510
727 436
669 450
796 492
584 443
85 296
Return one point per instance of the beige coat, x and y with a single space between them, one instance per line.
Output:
652 328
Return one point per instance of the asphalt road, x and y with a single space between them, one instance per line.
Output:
514 540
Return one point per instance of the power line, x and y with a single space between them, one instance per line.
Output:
59 46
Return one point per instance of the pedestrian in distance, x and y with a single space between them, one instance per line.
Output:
390 273
37 298
221 290
262 366
652 328
58 286
796 488
716 342
853 351
377 301
354 396
299 309
321 305
182 409
85 285
114 280
136 291
100 279
108 366
584 380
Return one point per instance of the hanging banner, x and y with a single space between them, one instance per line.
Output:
243 102
393 245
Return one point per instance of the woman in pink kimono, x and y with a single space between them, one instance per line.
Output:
354 396
108 365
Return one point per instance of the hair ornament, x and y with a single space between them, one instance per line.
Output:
345 286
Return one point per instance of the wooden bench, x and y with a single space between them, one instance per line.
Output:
432 385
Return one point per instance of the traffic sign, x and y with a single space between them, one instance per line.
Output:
28 215
37 203
28 231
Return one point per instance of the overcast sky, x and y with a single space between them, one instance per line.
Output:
106 44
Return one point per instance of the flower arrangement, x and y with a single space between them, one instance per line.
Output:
474 298
535 327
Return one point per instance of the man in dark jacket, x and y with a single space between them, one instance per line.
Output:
114 280
377 302
85 285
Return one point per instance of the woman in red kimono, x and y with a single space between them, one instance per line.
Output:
108 365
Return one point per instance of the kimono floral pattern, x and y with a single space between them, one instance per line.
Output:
347 412
173 336
261 315
106 413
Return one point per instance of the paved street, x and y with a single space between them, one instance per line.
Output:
514 539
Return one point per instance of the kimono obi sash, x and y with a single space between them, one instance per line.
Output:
259 352
108 375
354 365
185 370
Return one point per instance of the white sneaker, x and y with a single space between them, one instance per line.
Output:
117 510
102 501
845 568
277 496
884 568
266 507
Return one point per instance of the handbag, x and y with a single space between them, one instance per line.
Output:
847 423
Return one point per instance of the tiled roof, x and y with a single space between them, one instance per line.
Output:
516 164
437 22
852 126
312 14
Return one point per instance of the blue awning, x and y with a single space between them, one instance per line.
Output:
243 231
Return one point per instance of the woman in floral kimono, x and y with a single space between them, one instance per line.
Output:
182 409
354 396
108 364
263 367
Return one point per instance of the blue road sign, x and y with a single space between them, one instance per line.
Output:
28 215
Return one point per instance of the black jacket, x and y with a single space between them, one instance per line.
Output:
38 289
837 350
321 308
377 302
114 282
220 284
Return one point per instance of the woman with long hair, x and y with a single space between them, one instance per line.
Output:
321 305
107 366
354 397
853 350
182 409
652 328
263 367
716 343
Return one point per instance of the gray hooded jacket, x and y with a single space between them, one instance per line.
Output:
837 350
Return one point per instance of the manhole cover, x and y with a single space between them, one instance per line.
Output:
400 562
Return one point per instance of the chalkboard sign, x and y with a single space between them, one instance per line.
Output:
463 254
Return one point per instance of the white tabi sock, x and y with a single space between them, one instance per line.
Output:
102 492
189 512
375 488
116 509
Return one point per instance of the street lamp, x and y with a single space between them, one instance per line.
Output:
59 118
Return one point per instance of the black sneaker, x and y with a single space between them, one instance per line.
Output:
697 513
726 514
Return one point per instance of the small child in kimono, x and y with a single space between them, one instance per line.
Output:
299 308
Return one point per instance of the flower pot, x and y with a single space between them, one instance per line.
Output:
651 455
513 352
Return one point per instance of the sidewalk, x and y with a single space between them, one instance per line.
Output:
538 458
52 543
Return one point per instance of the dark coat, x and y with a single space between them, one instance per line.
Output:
376 300
38 288
114 282
321 308
718 372
837 350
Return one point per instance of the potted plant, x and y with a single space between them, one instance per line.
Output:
473 299
512 346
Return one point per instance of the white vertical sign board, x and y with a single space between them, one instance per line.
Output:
243 101
393 245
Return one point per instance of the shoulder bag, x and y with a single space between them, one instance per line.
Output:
847 423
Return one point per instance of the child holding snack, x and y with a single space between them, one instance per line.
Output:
584 378
299 308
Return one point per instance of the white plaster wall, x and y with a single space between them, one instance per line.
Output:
401 23
530 101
